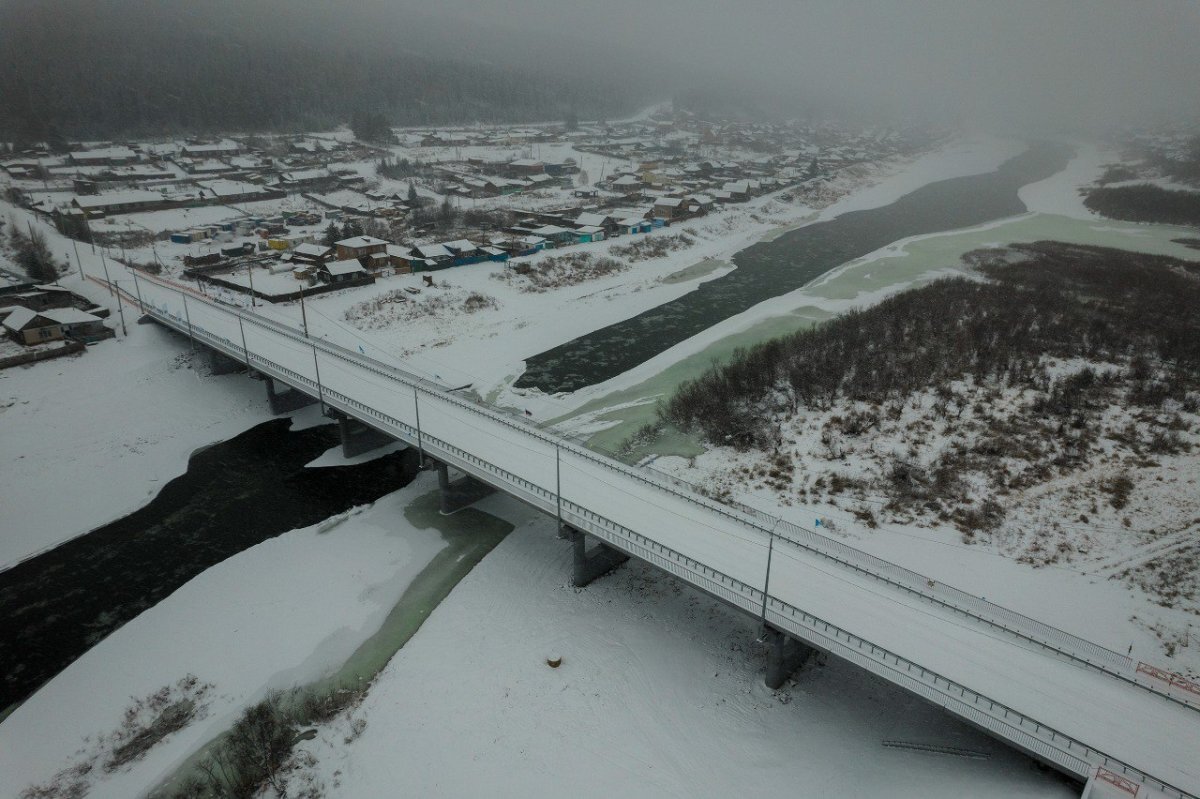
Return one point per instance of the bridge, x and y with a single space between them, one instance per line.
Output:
1087 711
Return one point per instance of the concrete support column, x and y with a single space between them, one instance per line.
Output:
358 437
288 400
587 566
784 656
460 493
221 364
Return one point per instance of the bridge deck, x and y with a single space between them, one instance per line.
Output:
1062 699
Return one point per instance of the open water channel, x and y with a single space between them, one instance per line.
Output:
788 262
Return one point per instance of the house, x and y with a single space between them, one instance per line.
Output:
343 271
359 247
212 149
78 325
26 326
434 253
523 167
401 258
39 298
119 202
312 253
555 235
107 156
588 234
669 208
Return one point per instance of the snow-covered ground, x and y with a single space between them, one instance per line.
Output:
90 438
659 693
283 613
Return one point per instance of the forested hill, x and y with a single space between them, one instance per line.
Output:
102 68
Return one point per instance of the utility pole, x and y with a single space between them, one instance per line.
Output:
558 485
250 274
245 349
188 317
317 369
303 313
138 289
78 262
121 312
104 263
420 444
767 579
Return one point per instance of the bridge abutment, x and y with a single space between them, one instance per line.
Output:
288 400
588 566
221 364
784 656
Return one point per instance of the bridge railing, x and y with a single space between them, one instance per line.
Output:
1011 724
1067 644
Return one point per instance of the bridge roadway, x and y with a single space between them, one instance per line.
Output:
1068 702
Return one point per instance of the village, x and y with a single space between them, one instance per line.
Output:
273 218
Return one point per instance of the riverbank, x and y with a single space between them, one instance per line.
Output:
92 438
609 413
293 610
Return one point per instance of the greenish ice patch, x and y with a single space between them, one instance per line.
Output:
637 403
908 264
469 534
694 271
912 261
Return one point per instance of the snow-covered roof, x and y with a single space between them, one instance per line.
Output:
68 316
396 251
360 241
117 198
347 267
104 152
669 202
19 318
432 251
313 250
590 219
461 245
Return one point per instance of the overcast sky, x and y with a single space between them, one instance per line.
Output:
1005 64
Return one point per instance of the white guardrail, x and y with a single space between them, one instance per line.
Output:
1020 729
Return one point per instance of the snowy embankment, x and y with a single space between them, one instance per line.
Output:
659 693
283 613
91 438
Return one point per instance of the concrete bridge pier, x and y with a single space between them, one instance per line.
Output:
221 364
784 656
290 399
588 566
460 493
357 437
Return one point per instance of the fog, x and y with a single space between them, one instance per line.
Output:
1011 66
1053 65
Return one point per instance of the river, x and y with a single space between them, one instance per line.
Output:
56 606
772 268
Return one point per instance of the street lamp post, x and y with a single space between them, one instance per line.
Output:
303 313
138 289
250 274
121 311
104 263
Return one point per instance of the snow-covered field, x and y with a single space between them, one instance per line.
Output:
659 693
